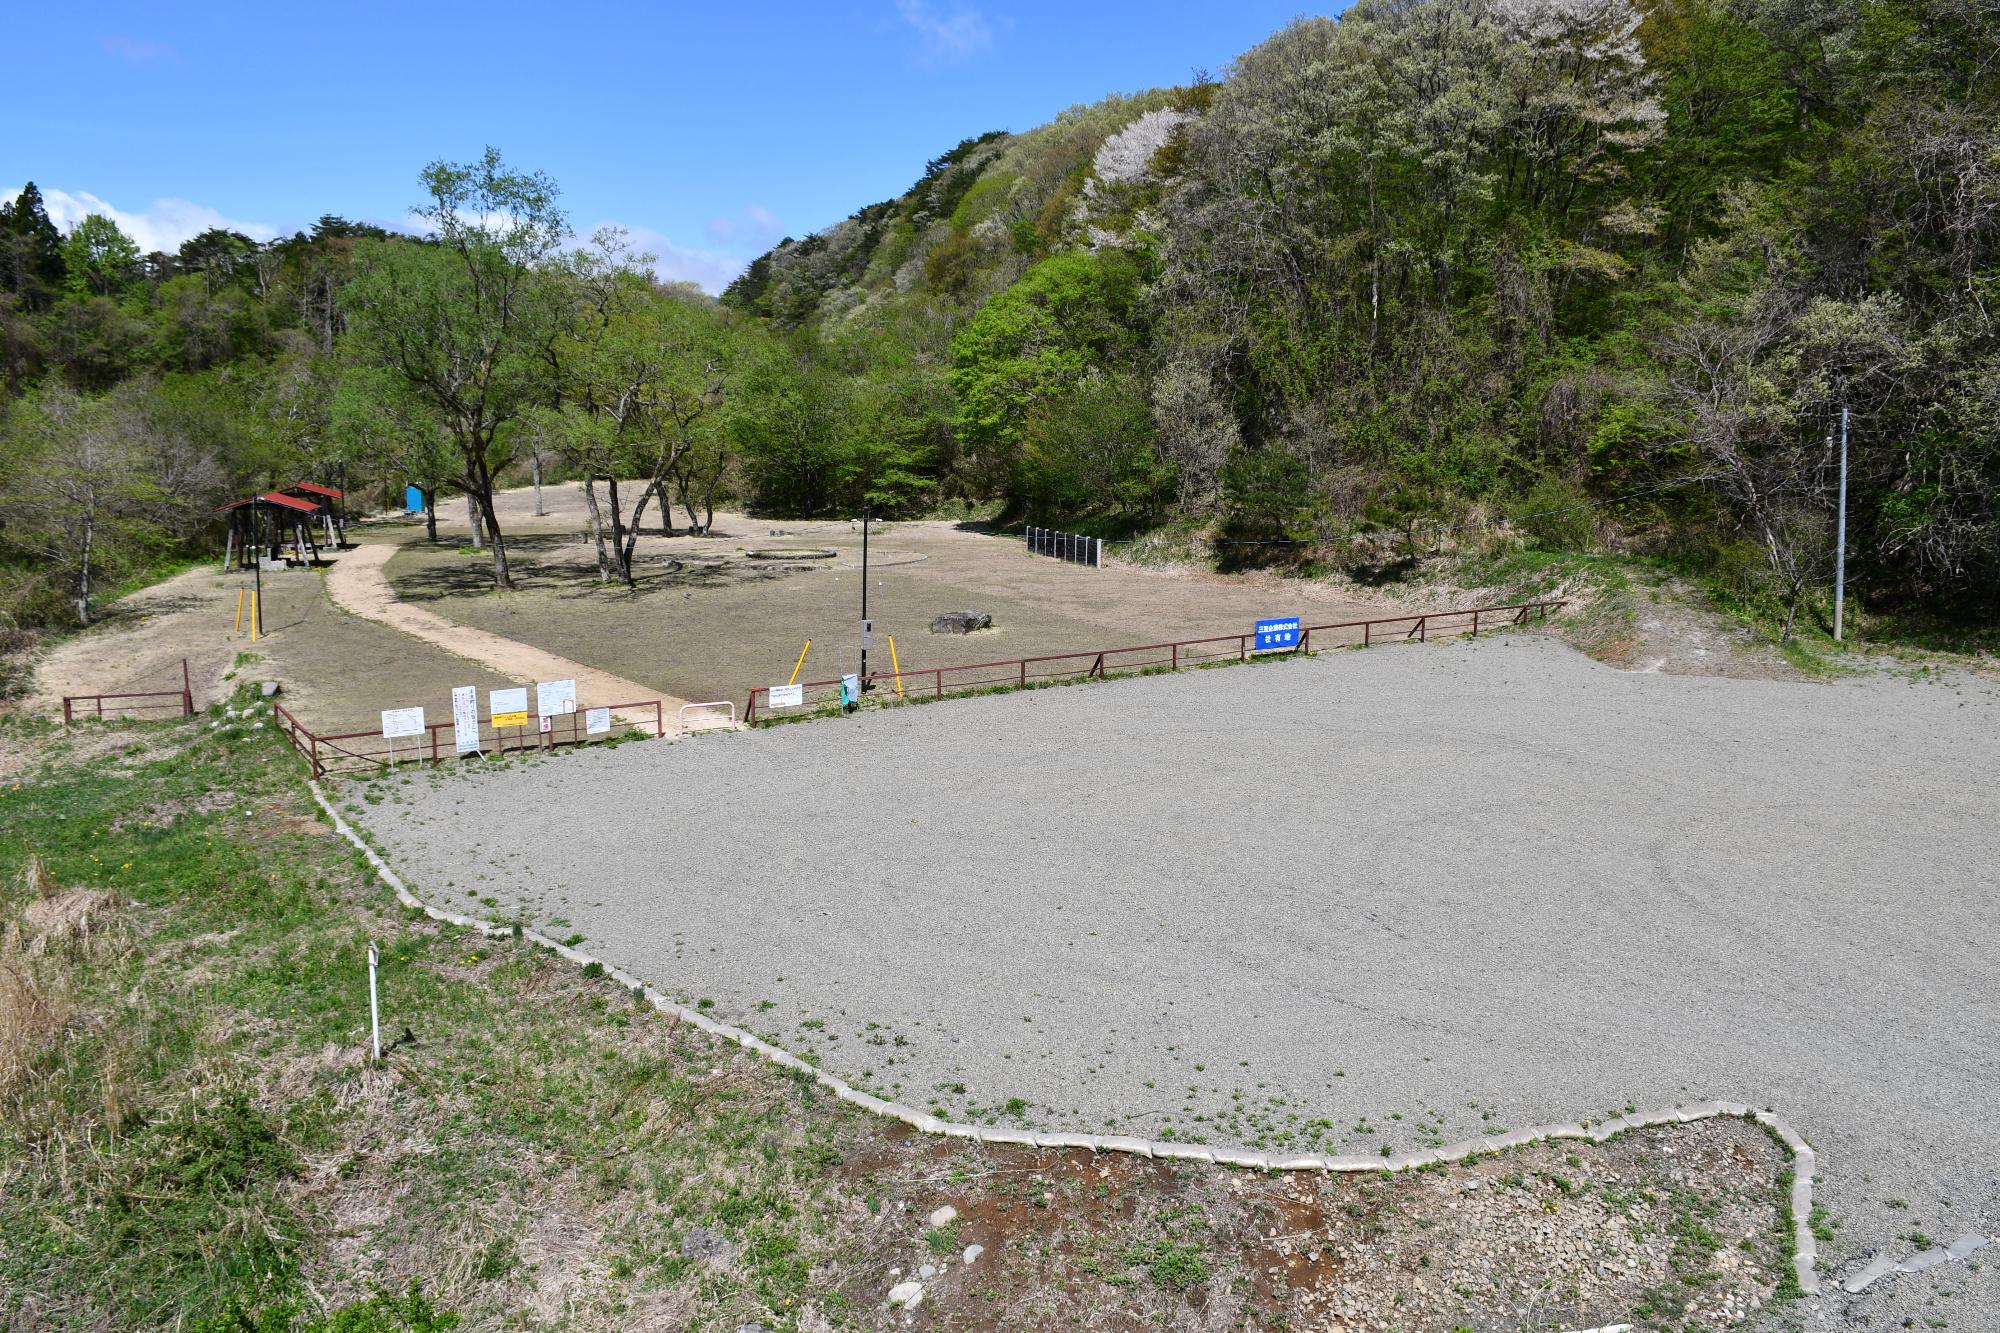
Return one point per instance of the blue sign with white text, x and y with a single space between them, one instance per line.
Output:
1282 633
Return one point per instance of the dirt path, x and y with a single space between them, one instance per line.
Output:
705 621
358 584
140 645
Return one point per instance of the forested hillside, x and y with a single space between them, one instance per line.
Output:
1606 272
1442 262
144 389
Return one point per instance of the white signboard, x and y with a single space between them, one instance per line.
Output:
465 719
555 697
596 721
400 722
546 726
787 696
510 707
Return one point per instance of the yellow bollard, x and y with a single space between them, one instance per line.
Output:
253 617
800 663
239 612
897 665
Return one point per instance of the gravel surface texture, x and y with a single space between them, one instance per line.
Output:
1372 900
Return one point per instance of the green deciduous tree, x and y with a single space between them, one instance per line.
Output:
92 487
1039 339
640 369
467 316
98 258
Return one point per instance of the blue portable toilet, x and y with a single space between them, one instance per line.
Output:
413 499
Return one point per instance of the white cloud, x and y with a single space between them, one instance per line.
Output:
706 269
710 270
413 223
946 36
162 226
757 226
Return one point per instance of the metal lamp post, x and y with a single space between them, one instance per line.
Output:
1841 539
865 514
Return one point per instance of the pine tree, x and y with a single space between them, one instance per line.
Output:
31 261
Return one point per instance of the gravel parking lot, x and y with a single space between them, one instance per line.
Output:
1373 899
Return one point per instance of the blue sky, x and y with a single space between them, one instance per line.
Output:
709 131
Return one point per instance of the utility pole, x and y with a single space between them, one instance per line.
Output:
864 596
1841 539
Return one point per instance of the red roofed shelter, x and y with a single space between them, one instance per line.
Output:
327 501
258 521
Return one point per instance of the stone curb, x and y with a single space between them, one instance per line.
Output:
1885 1264
1804 1254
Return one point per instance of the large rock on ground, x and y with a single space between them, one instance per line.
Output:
961 622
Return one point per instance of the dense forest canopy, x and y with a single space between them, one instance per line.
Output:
1436 262
1448 259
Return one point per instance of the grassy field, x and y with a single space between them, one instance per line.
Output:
193 1136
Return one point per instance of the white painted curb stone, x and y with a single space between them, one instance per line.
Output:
1803 1160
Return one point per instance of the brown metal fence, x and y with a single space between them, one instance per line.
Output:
1020 672
364 751
97 707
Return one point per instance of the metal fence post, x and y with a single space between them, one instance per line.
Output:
187 691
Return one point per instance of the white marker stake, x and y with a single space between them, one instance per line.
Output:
374 1005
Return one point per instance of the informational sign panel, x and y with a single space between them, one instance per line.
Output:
787 696
596 721
1279 633
553 698
867 634
465 719
510 707
545 724
400 722
850 690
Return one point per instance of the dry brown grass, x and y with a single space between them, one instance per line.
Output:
36 880
33 1014
46 922
79 923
